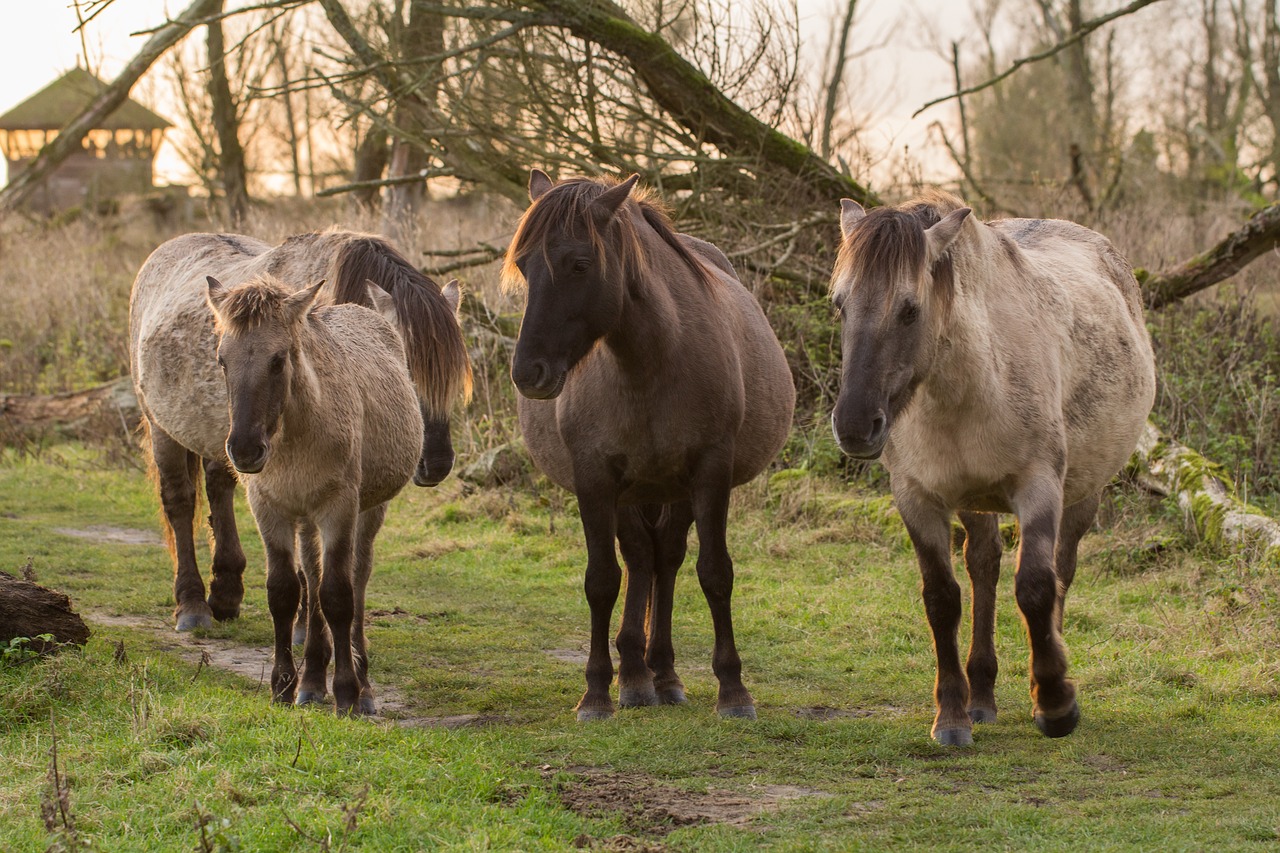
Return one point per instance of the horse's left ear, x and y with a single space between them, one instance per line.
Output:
608 203
381 301
297 305
453 295
940 237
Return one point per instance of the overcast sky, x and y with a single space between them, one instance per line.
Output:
899 78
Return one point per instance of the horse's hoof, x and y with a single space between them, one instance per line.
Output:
953 737
299 635
982 715
200 620
636 697
310 697
1059 726
738 712
588 715
672 696
224 614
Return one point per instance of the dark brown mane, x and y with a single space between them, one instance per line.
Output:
568 201
250 304
434 348
889 242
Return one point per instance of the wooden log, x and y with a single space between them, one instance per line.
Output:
77 414
1205 494
29 610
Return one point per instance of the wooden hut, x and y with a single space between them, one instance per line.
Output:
116 157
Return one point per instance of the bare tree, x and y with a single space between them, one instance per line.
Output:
226 123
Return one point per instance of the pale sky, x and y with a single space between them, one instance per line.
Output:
44 45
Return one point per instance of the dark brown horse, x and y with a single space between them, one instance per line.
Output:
183 398
652 385
999 367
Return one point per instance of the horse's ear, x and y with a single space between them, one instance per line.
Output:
381 301
216 293
453 295
940 237
850 213
298 304
539 183
611 199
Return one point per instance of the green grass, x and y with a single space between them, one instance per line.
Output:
1175 650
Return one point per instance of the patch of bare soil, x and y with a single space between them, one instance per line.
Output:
824 713
105 534
650 808
254 663
578 656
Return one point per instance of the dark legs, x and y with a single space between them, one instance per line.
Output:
653 540
604 577
226 583
177 470
1040 515
367 529
715 574
982 549
283 592
929 524
309 622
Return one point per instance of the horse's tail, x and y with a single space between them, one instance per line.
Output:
434 348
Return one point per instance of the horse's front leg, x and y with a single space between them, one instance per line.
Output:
283 590
635 680
1039 508
176 472
367 530
597 505
337 597
671 542
310 621
929 524
712 485
982 551
226 578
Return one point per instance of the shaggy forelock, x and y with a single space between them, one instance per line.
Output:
251 304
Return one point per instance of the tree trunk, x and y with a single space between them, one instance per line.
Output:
29 610
226 123
371 159
68 141
78 414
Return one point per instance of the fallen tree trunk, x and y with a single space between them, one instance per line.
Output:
76 414
30 610
1205 494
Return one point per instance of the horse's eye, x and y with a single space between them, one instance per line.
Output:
582 265
909 314
222 362
277 363
838 302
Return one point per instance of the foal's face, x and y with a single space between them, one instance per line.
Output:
258 363
889 310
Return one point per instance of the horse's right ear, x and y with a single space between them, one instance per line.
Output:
607 204
215 294
939 237
381 301
539 183
850 213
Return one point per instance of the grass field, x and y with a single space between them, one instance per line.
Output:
478 635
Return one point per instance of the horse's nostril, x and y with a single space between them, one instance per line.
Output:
877 428
540 373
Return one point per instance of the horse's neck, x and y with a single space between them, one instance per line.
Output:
651 324
961 371
303 414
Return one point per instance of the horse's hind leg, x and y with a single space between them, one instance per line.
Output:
316 654
369 525
715 574
671 541
930 527
1040 514
226 581
176 472
982 549
1076 521
635 540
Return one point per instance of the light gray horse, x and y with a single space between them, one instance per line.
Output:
183 399
325 430
999 367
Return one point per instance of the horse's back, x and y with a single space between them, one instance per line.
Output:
1107 370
